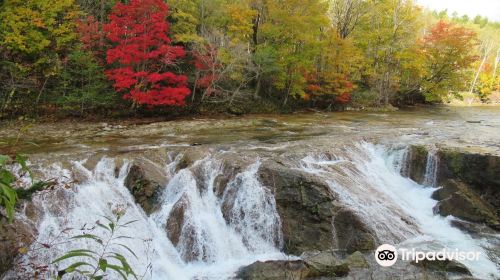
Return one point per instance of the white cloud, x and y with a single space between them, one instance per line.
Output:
488 8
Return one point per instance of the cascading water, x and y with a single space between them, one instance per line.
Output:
399 210
208 247
201 231
431 169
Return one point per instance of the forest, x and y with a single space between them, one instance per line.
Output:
86 58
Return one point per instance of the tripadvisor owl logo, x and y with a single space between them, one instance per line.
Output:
386 255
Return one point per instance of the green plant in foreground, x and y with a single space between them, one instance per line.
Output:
95 265
10 195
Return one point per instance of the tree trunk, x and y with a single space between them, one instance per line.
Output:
476 77
289 88
41 91
495 68
8 101
194 86
257 88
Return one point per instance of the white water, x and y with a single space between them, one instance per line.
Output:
220 248
369 179
431 169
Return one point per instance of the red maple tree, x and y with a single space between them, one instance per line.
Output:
141 57
92 37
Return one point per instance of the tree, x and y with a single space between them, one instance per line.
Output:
83 87
185 19
331 81
480 21
93 37
447 52
98 9
291 30
346 14
387 34
142 56
35 36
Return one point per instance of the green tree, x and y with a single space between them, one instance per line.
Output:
83 87
387 37
291 30
34 38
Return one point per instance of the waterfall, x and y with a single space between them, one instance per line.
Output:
431 169
209 247
206 230
369 180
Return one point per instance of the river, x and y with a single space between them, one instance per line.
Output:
222 227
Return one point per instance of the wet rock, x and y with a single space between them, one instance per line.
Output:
448 266
227 174
14 238
183 234
357 260
481 172
275 270
315 265
364 266
232 164
473 228
324 263
312 217
146 181
175 220
352 233
417 161
457 199
189 157
305 205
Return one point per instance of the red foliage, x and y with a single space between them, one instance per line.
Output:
142 53
207 65
450 43
324 85
344 98
313 88
92 36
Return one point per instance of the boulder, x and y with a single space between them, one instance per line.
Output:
417 162
175 220
457 199
275 270
189 157
182 234
448 266
311 215
15 238
364 266
352 233
146 181
314 265
357 260
481 172
305 205
324 263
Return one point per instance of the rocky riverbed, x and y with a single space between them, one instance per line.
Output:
303 196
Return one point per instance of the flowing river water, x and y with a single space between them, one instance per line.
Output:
360 156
